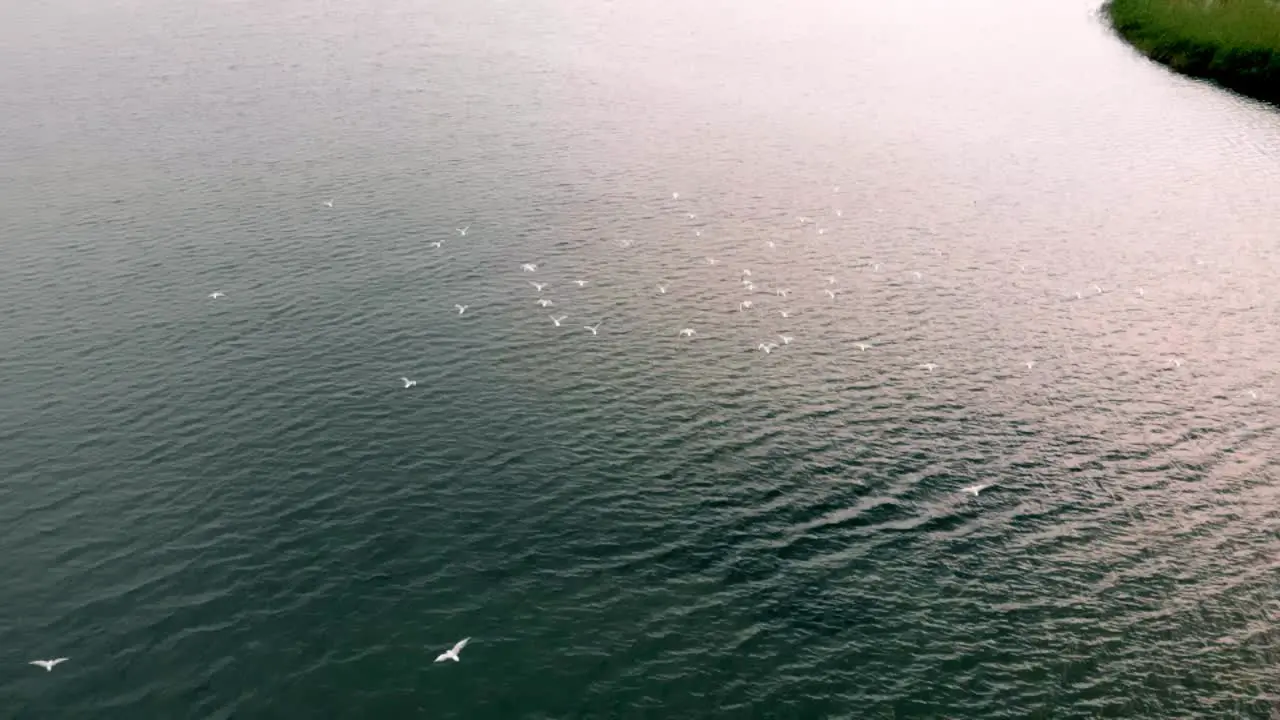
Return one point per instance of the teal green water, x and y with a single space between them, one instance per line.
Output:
232 508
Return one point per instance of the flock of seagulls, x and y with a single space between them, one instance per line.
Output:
453 653
749 284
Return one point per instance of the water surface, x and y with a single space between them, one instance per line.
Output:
232 508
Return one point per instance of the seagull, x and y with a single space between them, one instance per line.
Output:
675 196
47 664
1030 364
839 213
215 295
1175 362
786 339
749 285
692 216
662 289
767 347
1079 296
831 279
545 302
438 243
711 261
744 305
557 320
697 233
822 231
408 383
581 283
831 293
462 308
328 203
781 292
528 267
1097 289
1142 293
1253 394
802 219
862 347
835 189
687 332
917 274
452 653
746 272
876 268
974 489
929 366
463 231
784 313
592 329
770 243
538 286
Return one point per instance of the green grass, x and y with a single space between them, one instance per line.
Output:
1235 43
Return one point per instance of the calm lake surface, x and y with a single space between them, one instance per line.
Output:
233 508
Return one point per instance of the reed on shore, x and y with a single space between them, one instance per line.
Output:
1235 43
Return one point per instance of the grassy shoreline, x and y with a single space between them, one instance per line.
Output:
1235 43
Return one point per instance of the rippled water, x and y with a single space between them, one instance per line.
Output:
232 508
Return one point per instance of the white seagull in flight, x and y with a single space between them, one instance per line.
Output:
529 267
786 339
437 244
538 286
687 332
328 203
47 664
545 302
767 347
452 653
558 320
581 283
592 329
974 489
862 347
408 383
463 231
215 295
462 308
